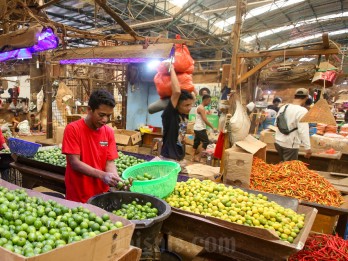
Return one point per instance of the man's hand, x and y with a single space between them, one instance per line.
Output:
308 154
111 179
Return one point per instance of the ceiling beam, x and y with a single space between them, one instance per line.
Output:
289 53
117 18
255 69
233 7
135 25
48 4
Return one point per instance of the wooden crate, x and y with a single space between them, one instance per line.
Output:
71 118
324 224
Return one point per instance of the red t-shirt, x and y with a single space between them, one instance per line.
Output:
95 147
2 139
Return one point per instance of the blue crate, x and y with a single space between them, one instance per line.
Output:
22 147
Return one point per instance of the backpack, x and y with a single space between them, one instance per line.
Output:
281 123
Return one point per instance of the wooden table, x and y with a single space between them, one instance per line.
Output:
33 177
148 137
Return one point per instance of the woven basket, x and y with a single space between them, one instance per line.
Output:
319 113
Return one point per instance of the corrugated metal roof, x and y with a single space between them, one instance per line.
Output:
203 20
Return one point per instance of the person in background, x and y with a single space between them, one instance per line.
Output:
15 121
202 92
90 149
35 124
308 103
275 105
288 145
174 120
15 106
200 127
3 144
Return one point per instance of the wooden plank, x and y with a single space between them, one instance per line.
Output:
157 51
290 53
342 189
339 182
255 69
338 174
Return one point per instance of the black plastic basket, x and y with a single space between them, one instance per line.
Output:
146 230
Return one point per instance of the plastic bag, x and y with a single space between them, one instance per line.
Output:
239 123
164 87
158 105
39 100
24 128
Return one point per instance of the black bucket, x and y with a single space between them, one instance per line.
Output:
147 230
169 256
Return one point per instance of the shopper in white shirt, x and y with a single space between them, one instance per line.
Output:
200 127
288 145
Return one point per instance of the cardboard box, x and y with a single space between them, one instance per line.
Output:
134 149
189 149
189 138
127 137
267 136
108 246
189 129
239 160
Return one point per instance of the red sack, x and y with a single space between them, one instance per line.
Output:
164 87
183 62
219 146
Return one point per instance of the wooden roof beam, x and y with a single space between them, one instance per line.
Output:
48 4
117 18
294 52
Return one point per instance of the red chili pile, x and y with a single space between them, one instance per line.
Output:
322 247
294 179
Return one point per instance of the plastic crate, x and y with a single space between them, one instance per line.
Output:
22 147
165 173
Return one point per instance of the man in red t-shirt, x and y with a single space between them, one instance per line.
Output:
3 144
90 150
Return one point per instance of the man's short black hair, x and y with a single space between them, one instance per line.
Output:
202 90
185 95
277 99
100 97
206 96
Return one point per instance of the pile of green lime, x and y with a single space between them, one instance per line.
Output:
125 161
30 226
144 177
5 151
135 211
52 156
235 205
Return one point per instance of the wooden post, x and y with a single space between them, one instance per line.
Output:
232 80
240 9
49 131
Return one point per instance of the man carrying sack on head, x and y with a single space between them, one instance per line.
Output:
291 133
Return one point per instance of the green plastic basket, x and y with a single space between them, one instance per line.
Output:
165 173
